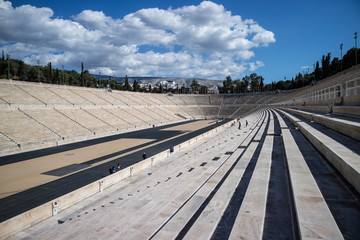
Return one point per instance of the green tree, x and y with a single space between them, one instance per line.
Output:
227 85
57 76
88 79
127 85
195 86
334 66
237 84
203 89
317 72
245 83
255 82
261 83
49 73
136 86
349 58
325 61
82 75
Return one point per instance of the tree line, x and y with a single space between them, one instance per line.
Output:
328 68
18 70
255 83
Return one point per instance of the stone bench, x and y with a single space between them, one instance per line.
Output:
340 150
344 125
249 222
310 206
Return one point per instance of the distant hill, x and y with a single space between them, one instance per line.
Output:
156 80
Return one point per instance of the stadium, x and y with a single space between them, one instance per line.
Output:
271 165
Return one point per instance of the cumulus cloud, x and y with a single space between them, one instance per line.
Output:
210 42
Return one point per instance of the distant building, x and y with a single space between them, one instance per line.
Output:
171 84
145 85
213 90
168 84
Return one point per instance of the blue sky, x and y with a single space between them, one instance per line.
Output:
275 39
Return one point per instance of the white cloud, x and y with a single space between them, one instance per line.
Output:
255 65
213 43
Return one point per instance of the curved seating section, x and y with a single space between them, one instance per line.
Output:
73 96
24 130
56 120
230 100
203 100
228 110
211 111
340 89
124 116
194 111
176 99
66 113
166 113
262 181
109 97
292 173
189 100
215 100
46 96
11 93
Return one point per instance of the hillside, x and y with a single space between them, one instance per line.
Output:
156 80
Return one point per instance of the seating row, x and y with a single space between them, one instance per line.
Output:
340 150
26 93
47 126
344 125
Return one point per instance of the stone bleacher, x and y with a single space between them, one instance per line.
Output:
56 121
230 100
24 130
134 99
90 96
110 97
86 119
163 99
194 111
71 95
10 93
262 181
203 100
215 100
178 111
153 117
189 99
290 174
342 151
211 111
37 95
325 86
165 114
176 99
125 118
44 95
146 119
107 117
228 110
